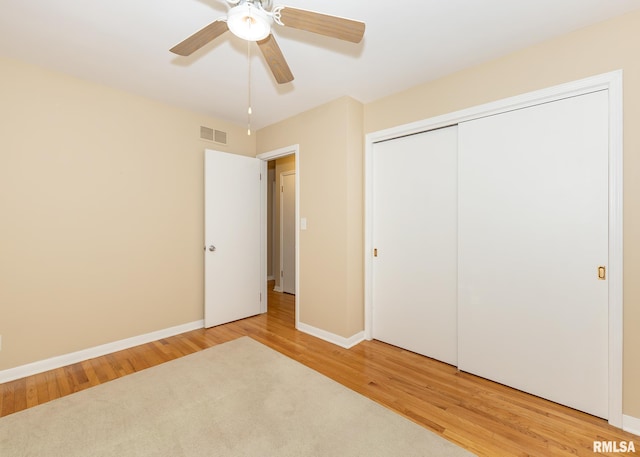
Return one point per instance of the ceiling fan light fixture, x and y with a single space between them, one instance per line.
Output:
249 22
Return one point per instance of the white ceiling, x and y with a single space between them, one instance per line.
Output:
125 44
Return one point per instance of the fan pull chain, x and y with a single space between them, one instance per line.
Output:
249 89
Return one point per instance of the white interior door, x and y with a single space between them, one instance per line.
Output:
533 231
415 237
233 235
288 232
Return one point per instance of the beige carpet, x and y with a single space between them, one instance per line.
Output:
236 399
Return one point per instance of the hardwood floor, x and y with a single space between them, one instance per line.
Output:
487 418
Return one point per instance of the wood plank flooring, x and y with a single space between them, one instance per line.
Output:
484 417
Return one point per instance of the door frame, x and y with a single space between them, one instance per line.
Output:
612 82
282 175
265 157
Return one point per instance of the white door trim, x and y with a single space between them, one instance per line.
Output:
265 157
608 81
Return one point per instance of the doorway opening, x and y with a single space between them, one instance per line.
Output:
281 218
281 189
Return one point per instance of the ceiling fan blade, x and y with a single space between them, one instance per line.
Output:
200 38
275 59
331 26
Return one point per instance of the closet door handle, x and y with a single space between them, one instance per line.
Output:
602 273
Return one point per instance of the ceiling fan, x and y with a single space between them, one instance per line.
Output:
251 20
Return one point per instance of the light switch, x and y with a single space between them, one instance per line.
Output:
303 223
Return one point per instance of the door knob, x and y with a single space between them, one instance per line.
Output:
212 248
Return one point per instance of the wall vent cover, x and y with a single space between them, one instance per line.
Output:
209 134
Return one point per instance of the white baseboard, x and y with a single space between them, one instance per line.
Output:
67 359
631 424
277 289
341 341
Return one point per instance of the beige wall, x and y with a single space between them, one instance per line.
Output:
597 49
101 203
331 274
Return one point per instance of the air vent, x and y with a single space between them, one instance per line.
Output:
220 137
209 134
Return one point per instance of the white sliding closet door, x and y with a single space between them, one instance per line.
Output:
414 234
533 228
